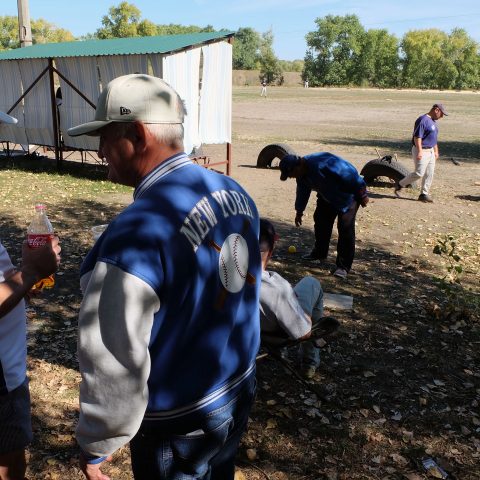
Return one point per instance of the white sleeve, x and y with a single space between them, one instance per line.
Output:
115 324
279 303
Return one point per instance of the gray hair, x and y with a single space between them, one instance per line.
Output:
170 134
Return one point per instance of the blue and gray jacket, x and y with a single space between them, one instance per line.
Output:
332 177
169 323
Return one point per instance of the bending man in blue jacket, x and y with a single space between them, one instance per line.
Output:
340 191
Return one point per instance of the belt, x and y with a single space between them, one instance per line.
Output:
427 148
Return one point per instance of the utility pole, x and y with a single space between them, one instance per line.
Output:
24 28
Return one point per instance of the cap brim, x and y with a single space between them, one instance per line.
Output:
5 118
89 128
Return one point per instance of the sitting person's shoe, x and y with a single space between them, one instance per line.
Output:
308 372
397 189
325 326
340 272
425 198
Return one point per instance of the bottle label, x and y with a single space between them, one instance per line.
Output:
36 240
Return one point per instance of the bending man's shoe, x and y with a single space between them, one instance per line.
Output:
340 272
425 198
397 189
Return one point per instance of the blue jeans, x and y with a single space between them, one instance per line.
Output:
310 297
204 451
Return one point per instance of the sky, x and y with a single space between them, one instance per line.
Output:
290 20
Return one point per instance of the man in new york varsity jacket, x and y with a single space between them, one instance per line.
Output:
169 323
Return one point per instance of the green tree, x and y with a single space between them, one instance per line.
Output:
9 32
463 52
46 32
292 65
175 29
425 64
334 49
269 64
378 61
42 32
125 21
246 49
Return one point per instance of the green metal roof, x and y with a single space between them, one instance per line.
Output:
116 46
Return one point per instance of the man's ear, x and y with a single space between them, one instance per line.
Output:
141 135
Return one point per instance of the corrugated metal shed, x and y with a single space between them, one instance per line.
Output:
117 46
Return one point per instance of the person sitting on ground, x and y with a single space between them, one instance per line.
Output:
286 312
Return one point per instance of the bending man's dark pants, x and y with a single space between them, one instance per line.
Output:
324 218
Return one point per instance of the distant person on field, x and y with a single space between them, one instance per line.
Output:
288 313
306 83
340 191
263 93
424 152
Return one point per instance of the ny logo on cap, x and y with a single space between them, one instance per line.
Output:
124 111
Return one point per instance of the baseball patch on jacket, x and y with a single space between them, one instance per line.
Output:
233 263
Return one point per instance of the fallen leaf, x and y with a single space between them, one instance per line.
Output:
397 458
251 454
271 423
239 475
413 476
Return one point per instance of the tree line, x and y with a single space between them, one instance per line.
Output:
340 52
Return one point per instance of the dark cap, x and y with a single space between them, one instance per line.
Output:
441 108
268 236
287 164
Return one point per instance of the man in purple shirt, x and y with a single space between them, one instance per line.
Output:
424 152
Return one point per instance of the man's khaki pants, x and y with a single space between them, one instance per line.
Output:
424 169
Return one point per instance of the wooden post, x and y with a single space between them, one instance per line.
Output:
24 28
229 158
229 145
56 132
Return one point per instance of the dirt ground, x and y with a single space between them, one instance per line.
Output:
400 382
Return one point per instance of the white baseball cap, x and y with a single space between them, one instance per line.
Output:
131 98
5 118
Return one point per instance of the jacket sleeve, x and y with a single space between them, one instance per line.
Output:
303 195
279 303
115 323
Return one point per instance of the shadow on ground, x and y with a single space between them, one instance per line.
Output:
398 381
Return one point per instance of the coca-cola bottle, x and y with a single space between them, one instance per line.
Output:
39 232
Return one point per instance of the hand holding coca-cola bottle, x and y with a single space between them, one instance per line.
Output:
41 256
40 263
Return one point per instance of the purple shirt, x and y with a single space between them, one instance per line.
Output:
426 129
